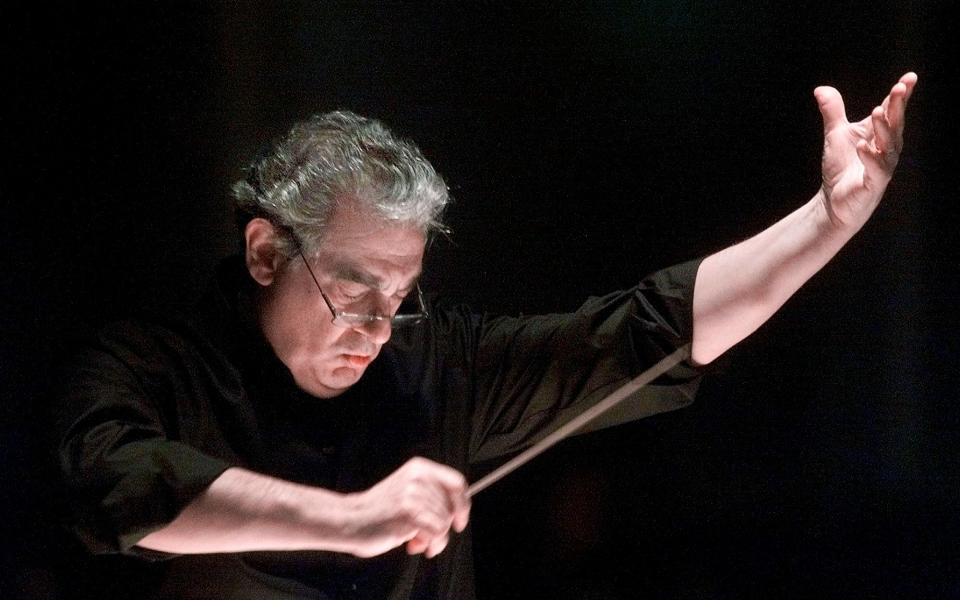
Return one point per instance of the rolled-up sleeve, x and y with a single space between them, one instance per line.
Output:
125 474
535 373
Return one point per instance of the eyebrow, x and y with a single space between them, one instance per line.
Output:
355 274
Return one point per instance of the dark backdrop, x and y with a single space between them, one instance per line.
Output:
585 147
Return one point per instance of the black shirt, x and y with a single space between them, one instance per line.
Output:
154 410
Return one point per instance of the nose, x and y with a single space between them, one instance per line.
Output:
378 331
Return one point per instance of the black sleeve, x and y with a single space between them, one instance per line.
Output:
534 374
125 474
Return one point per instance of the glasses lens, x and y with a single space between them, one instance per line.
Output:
410 312
406 319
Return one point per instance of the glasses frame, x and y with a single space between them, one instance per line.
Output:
343 318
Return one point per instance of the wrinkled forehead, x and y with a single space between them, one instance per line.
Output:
358 243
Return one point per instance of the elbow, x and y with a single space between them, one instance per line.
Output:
719 328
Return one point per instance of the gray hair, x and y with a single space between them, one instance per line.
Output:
334 158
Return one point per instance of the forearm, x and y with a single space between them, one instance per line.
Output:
242 511
245 511
739 288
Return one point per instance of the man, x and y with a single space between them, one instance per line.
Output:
306 434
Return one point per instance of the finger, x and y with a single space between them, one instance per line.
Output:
431 536
884 140
895 103
454 485
431 518
873 161
909 81
418 544
459 508
461 514
451 505
897 106
436 546
831 107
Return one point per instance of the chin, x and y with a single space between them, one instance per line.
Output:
332 383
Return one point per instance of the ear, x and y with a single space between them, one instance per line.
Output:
263 259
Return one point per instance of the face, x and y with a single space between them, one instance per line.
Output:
365 266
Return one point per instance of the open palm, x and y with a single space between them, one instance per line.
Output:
859 158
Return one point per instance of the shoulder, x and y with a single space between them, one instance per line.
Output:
209 331
145 348
144 336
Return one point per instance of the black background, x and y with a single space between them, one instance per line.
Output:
585 147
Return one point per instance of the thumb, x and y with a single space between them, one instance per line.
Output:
831 107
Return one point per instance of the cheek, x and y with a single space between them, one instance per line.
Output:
330 338
307 319
297 329
317 337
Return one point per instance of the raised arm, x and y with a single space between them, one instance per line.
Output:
740 287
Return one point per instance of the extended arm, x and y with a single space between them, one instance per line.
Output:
739 288
244 511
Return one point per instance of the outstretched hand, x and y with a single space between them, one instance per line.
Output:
859 158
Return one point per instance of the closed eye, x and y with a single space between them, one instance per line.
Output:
352 292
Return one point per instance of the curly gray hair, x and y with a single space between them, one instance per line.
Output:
339 157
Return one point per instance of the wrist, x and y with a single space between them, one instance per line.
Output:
826 221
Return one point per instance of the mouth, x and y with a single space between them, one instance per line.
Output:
358 360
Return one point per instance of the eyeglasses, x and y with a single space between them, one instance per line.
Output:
346 319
